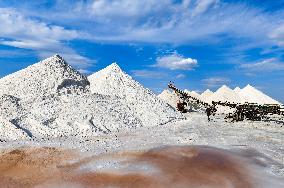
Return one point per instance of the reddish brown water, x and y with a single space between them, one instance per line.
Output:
187 166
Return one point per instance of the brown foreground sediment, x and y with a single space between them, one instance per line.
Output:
175 166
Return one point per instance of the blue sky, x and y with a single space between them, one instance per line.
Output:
197 44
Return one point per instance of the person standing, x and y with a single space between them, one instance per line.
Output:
208 112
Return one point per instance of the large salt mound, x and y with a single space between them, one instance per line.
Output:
144 103
225 94
252 95
52 99
169 97
44 77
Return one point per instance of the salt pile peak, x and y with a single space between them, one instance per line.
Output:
44 77
144 103
252 95
237 89
224 94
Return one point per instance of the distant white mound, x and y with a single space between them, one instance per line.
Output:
224 94
237 89
51 99
248 94
252 95
169 97
206 94
144 103
193 94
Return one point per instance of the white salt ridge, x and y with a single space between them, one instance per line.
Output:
143 103
54 100
224 94
248 94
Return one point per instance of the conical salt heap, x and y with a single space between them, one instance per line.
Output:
144 103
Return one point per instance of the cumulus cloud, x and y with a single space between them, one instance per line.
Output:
176 62
215 81
22 32
267 65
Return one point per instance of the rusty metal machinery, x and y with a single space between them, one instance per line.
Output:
187 99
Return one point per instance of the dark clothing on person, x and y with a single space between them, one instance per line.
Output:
208 112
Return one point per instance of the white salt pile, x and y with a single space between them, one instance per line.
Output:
206 94
247 94
252 95
224 94
237 89
142 102
42 78
51 99
193 94
169 97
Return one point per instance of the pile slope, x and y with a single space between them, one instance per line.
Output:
169 97
193 93
144 103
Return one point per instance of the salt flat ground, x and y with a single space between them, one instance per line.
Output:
242 154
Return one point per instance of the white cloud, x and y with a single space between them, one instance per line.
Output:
180 76
202 6
167 21
176 62
21 32
147 74
125 8
278 35
14 24
215 81
267 65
